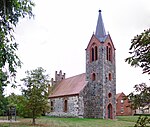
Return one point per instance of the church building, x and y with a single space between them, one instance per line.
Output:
90 94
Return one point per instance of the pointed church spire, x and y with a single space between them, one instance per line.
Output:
100 29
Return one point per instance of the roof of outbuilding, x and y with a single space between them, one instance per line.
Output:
118 95
69 86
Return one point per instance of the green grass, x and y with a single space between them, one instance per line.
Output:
128 118
120 121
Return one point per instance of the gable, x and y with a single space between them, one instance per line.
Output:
109 40
69 86
120 95
92 41
98 41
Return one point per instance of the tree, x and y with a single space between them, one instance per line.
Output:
10 13
18 101
3 105
140 57
140 51
140 99
36 91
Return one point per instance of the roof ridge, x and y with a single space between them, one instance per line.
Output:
74 76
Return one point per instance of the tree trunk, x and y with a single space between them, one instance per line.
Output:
4 7
33 122
33 115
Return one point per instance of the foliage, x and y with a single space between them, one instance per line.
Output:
142 121
3 105
10 12
139 99
19 101
36 91
140 51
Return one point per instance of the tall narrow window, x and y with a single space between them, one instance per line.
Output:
96 53
109 76
122 110
93 77
65 105
52 106
92 54
109 52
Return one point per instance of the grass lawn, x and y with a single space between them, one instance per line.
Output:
120 121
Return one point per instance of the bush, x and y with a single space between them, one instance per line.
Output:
142 121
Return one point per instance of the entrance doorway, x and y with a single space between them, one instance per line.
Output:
110 111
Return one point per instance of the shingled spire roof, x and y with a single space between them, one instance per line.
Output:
100 29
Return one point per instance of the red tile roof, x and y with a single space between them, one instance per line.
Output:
69 86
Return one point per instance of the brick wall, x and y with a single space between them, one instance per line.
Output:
123 106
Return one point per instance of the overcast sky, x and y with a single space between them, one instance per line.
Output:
59 33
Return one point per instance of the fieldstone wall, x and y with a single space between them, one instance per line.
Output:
95 95
74 107
93 100
109 86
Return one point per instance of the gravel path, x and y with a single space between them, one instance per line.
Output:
8 121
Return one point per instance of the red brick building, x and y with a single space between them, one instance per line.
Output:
122 106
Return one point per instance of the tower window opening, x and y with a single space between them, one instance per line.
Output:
94 53
109 76
93 77
109 52
109 95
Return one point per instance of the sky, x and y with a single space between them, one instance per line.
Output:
56 38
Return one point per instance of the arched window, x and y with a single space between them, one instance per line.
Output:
109 76
110 111
93 77
52 106
109 52
65 105
94 53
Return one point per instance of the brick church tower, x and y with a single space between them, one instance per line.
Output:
99 98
